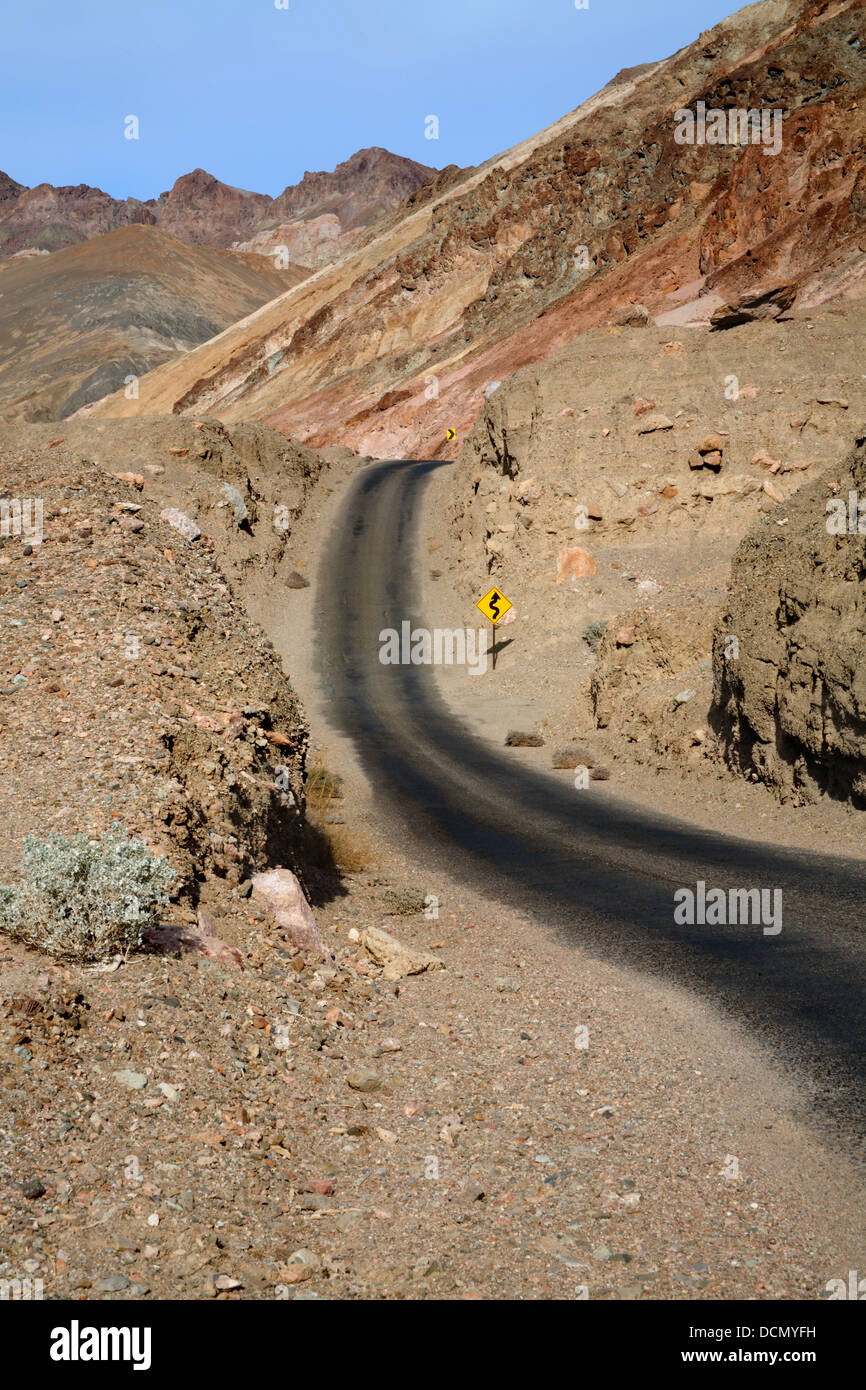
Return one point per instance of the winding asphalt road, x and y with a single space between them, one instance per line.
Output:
594 870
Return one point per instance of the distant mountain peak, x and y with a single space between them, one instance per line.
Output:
202 210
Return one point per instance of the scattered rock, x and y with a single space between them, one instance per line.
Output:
281 894
574 562
300 1266
170 936
365 1081
631 316
181 522
758 304
235 499
397 959
132 1080
654 422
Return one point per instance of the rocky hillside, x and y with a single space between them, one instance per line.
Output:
399 339
605 491
118 622
789 655
203 211
79 323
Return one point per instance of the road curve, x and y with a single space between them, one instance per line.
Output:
594 870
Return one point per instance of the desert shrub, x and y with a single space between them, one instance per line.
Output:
85 899
322 787
592 635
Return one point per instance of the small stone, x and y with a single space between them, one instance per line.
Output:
31 1188
132 1080
182 523
650 424
302 1265
323 1186
225 1283
600 774
395 957
115 1283
631 316
574 562
364 1081
764 460
296 581
683 698
235 500
711 444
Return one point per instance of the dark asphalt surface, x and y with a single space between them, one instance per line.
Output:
595 871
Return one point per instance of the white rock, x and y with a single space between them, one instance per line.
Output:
181 522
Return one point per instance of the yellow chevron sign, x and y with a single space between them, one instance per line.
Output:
494 606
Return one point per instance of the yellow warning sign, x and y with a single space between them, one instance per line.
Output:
450 434
494 605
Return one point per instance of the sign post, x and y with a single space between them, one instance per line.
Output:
494 605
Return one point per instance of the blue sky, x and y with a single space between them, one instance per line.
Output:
256 95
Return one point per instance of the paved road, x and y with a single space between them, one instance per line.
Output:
594 870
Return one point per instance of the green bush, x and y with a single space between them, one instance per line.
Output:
592 635
85 899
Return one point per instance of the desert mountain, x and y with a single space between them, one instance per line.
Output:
77 324
400 337
202 210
